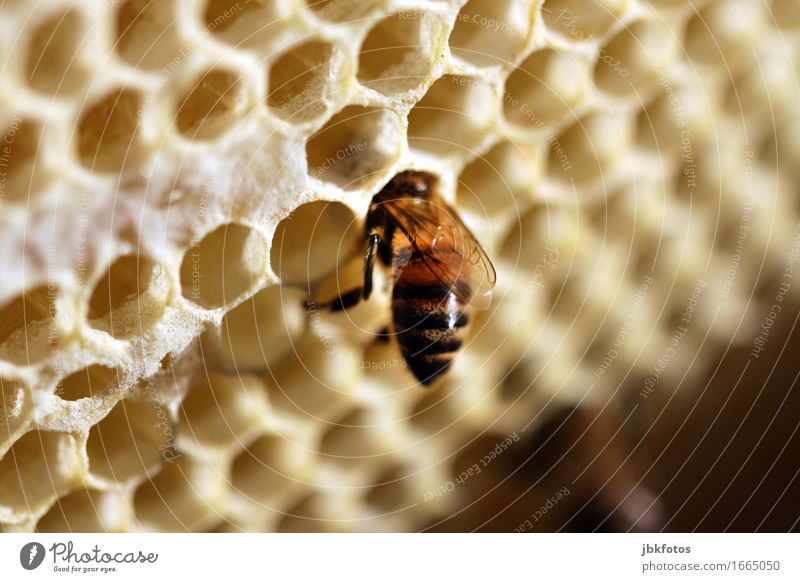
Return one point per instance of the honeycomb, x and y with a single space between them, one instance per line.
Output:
179 177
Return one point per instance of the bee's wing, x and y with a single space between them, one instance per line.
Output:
447 247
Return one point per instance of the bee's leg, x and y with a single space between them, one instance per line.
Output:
353 296
350 298
340 303
346 300
369 262
383 335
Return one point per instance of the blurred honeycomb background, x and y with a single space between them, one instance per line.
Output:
178 177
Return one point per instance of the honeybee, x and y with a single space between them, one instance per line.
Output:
439 271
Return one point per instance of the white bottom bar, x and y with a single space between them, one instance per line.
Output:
401 557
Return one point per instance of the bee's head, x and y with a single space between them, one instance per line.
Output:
411 183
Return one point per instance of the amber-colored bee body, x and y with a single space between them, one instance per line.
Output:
439 271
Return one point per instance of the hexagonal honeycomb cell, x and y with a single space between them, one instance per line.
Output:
262 330
129 297
184 188
87 382
226 264
398 53
147 33
355 147
452 117
312 241
57 57
212 105
488 32
109 132
28 325
32 456
302 82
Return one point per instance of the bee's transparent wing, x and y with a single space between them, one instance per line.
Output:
447 247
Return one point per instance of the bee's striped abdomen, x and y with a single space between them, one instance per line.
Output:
429 321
